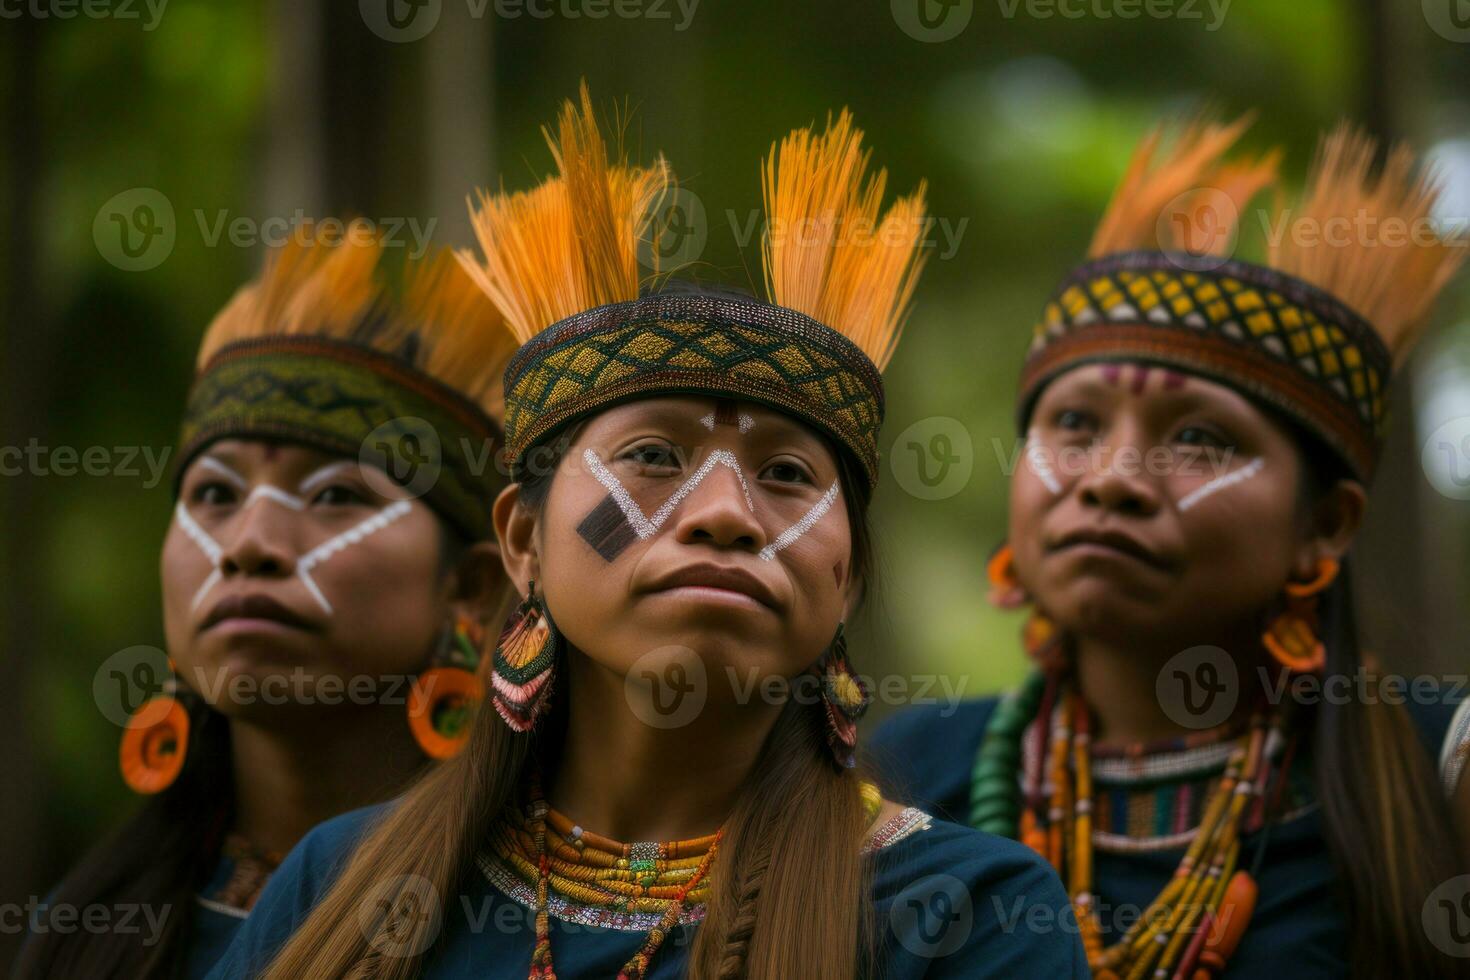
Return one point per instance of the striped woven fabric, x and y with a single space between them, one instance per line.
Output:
1258 330
693 343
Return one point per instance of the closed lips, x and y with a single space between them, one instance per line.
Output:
253 607
729 578
1116 540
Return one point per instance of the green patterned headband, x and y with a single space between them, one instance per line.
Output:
350 400
691 343
1269 335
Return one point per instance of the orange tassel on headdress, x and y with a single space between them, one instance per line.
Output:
830 251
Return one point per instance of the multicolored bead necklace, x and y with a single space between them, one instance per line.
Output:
648 877
544 854
1193 926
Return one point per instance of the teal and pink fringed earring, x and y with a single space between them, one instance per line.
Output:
524 663
845 698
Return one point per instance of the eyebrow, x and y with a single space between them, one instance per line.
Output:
322 474
211 463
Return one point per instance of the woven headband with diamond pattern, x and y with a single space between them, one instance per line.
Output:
689 343
1258 330
333 395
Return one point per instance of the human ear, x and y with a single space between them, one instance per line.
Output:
515 529
1335 519
478 582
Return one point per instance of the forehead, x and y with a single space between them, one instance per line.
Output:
700 418
1150 384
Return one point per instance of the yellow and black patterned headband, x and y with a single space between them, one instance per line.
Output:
679 342
561 262
1267 334
1314 331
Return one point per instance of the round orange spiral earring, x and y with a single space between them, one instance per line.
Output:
1291 637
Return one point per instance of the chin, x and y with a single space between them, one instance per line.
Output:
1101 609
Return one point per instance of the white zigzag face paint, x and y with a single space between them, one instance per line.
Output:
1194 497
618 521
313 558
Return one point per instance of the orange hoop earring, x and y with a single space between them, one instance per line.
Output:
1006 591
443 699
1327 569
154 745
1291 637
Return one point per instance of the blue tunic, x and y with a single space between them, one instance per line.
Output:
1299 929
950 902
214 922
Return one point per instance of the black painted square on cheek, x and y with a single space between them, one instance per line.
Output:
607 530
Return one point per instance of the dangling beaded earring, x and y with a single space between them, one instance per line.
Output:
845 698
1040 637
444 697
155 742
524 663
1291 637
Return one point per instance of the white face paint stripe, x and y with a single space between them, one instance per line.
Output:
790 536
720 457
210 463
619 494
1040 465
215 554
322 475
708 421
349 537
1221 482
646 527
212 551
280 496
746 423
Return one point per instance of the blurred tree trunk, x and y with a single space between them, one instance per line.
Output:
1410 574
27 343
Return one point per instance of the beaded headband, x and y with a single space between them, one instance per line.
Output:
673 343
315 352
1255 329
332 395
562 264
1314 331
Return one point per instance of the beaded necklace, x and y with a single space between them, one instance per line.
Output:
610 882
1193 926
250 869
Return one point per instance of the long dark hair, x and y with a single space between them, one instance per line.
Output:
1388 826
156 860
